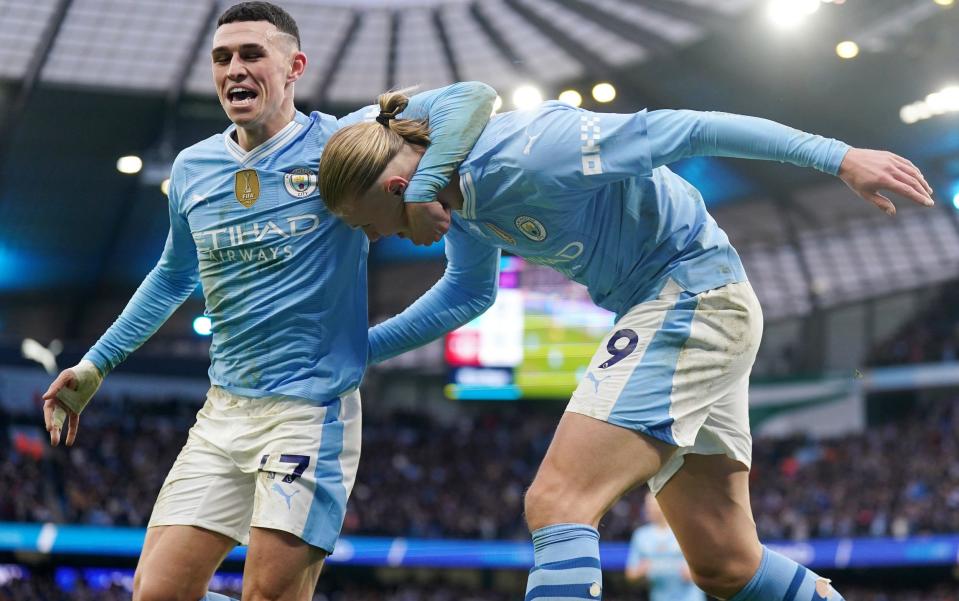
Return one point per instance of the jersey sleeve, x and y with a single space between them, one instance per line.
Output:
565 148
675 135
164 289
467 289
457 115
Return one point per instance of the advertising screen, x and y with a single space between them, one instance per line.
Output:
533 343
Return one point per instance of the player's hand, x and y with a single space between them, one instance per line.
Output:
870 172
428 221
66 398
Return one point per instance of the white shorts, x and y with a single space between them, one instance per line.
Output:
677 368
275 462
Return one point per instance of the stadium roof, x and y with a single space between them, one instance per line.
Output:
356 48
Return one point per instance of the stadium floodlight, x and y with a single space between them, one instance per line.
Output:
165 187
498 103
955 200
908 114
571 97
949 97
604 92
944 101
527 97
944 2
787 14
129 164
847 49
203 325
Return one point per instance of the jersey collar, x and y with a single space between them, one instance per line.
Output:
276 142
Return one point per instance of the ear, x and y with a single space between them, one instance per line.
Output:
297 66
396 185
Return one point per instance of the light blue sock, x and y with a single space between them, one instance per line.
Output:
782 579
216 597
566 564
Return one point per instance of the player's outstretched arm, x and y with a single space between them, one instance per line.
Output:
674 135
158 296
871 172
66 398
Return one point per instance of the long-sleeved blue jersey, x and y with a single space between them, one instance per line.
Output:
588 194
284 281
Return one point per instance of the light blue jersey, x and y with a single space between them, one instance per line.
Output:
588 194
284 281
657 545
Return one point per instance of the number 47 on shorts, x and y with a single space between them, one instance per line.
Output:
301 462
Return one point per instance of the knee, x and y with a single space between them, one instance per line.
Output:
147 588
261 594
274 585
549 500
723 576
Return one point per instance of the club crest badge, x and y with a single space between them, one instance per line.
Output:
531 228
246 186
300 183
501 233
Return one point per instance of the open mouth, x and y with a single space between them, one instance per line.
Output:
240 96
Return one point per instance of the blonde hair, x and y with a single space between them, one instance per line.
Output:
356 155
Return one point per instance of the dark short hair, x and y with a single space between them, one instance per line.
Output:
261 11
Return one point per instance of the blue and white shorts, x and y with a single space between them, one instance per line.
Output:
276 462
676 368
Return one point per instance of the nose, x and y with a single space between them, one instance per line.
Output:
237 70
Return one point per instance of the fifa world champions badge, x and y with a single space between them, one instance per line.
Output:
246 186
300 183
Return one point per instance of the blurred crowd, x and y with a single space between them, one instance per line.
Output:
931 336
465 478
110 477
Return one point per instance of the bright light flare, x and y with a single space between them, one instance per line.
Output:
498 103
527 97
571 97
604 92
944 101
847 49
203 325
129 164
165 187
944 2
787 14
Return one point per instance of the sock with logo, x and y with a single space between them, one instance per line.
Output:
566 564
216 597
782 579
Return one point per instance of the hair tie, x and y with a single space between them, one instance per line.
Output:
384 118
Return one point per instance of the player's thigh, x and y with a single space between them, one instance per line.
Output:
177 562
707 506
306 460
588 466
280 567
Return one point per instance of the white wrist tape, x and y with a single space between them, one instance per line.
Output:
88 380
